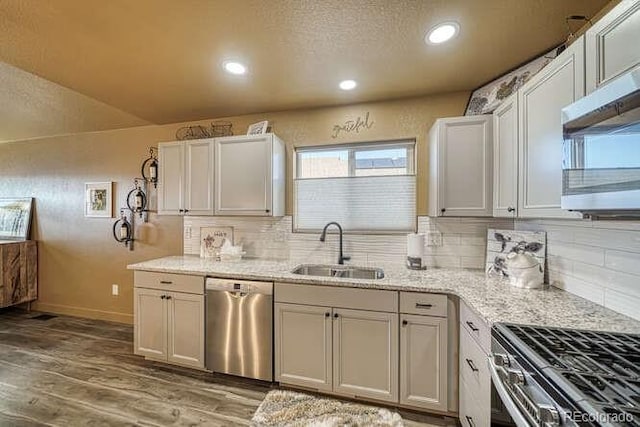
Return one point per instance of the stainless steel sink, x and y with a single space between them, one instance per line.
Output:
346 271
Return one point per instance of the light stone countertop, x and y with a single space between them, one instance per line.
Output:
495 300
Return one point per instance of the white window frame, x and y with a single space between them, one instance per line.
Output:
352 148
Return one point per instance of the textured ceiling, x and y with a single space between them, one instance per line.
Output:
160 60
31 106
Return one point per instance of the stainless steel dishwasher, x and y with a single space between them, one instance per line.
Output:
240 328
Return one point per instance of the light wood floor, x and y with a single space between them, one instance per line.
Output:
68 371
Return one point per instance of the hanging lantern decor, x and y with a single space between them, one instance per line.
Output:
137 199
123 230
149 167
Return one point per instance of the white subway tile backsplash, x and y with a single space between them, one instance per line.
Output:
622 261
621 302
463 241
597 260
578 287
588 254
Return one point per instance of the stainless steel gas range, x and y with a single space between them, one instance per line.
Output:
564 377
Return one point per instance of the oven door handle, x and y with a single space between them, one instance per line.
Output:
507 401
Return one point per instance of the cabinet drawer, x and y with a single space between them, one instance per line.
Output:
360 299
473 365
476 326
422 303
169 282
475 409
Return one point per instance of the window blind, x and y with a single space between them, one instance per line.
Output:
358 203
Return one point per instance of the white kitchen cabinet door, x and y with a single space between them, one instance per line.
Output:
185 329
505 158
150 323
424 362
540 102
243 175
612 44
199 188
303 346
365 354
171 178
461 172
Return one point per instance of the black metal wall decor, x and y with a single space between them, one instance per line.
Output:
137 202
123 229
149 169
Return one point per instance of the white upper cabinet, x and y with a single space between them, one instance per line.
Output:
461 172
613 44
250 175
505 158
540 102
185 184
198 194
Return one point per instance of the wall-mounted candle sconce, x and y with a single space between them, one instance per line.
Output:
123 229
151 165
137 198
137 201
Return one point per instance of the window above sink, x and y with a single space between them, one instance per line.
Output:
366 187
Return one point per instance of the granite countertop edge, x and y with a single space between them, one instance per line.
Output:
494 300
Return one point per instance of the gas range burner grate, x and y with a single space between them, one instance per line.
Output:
603 367
603 353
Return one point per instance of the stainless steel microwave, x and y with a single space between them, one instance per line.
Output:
601 150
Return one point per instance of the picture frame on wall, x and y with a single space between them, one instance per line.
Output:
98 199
258 128
15 218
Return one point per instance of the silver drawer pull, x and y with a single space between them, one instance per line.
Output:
470 421
472 326
166 282
472 365
427 306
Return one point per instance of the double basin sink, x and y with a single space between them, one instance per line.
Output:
342 271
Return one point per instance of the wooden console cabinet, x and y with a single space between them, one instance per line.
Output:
18 272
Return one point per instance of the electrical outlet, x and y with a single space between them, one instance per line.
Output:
434 238
187 232
115 290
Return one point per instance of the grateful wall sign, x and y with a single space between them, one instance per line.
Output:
352 126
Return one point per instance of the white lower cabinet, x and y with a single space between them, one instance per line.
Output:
303 346
150 323
348 352
423 363
350 342
474 378
365 354
185 329
169 324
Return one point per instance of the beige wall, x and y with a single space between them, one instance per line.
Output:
79 260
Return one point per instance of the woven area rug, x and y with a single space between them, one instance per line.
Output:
293 409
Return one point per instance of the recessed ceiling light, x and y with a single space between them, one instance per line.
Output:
442 32
233 67
348 84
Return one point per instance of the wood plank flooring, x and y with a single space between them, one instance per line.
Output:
68 371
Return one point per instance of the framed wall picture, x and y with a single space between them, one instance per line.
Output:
258 128
98 199
15 218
